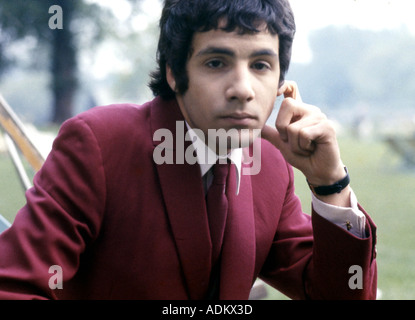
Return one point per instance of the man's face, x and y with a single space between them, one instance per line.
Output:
233 83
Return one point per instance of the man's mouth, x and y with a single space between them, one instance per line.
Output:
239 119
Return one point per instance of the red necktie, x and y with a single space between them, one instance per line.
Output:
217 208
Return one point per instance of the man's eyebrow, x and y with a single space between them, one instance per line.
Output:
216 50
229 52
264 52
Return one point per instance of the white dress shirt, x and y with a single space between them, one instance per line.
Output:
351 219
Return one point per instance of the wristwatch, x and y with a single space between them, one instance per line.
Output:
332 189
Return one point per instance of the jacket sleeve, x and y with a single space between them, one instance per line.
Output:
343 265
312 258
63 214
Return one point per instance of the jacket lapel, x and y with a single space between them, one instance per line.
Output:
238 255
182 189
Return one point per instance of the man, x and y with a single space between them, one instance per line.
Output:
115 223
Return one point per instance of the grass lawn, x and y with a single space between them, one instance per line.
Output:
387 192
384 189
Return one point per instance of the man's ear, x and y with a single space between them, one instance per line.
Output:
170 78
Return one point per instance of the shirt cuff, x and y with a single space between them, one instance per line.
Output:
351 219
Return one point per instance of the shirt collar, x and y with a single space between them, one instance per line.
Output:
206 157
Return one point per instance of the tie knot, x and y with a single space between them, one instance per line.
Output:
220 173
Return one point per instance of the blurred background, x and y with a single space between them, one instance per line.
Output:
355 59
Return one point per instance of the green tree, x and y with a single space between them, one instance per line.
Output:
21 20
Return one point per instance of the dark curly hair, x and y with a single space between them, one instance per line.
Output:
181 19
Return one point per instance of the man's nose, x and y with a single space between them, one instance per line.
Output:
240 86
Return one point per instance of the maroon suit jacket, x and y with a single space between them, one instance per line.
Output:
122 227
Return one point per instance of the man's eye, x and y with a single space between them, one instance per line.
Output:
215 64
261 66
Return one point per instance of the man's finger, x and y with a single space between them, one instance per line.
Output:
272 135
295 115
290 90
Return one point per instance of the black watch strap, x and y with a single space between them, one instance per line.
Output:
332 189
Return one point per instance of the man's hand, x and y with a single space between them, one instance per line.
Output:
307 140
